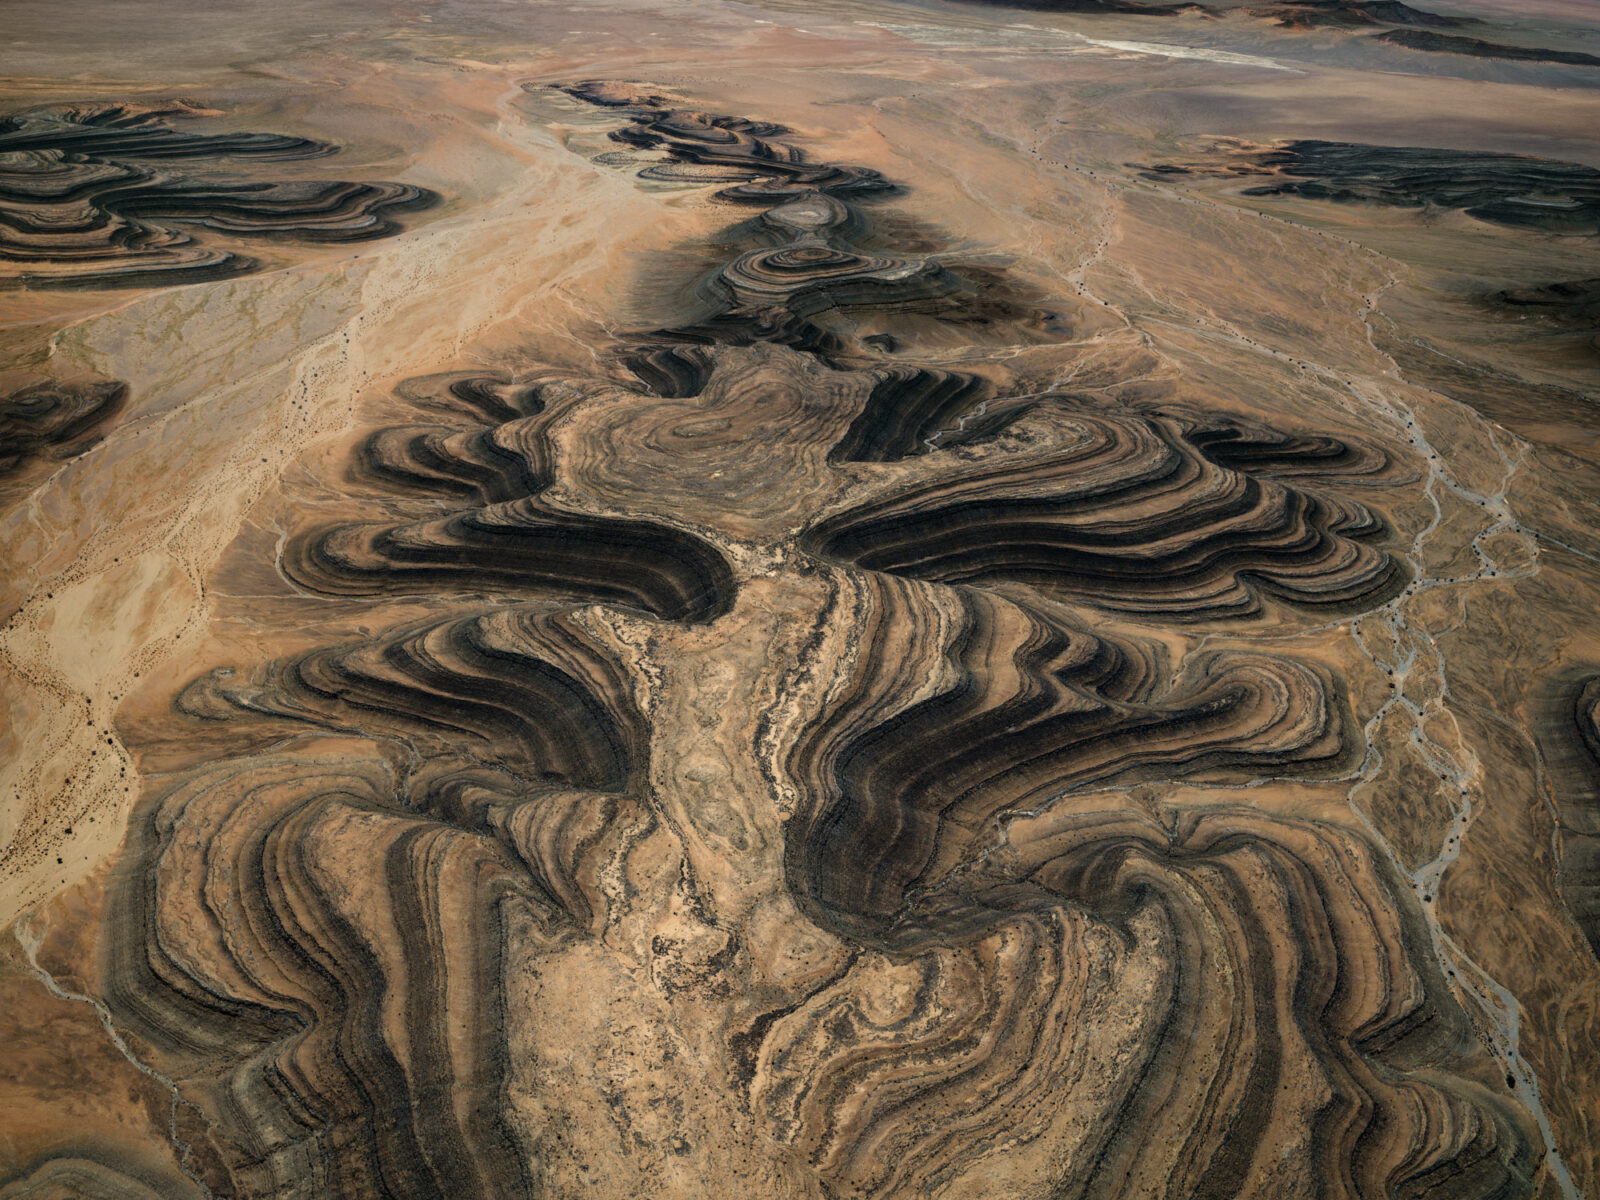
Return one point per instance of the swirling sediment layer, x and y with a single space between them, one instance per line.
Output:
1172 998
523 689
911 409
1570 738
89 197
1166 996
511 541
1139 515
519 546
342 1000
55 420
807 206
69 1176
718 696
768 171
1029 712
326 965
1515 190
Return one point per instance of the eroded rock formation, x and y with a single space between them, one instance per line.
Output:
1570 736
820 688
1438 43
1133 515
45 421
103 196
1313 14
1504 189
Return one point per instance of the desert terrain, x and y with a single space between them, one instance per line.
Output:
860 598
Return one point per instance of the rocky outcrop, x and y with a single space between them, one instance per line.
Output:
1514 190
105 196
587 617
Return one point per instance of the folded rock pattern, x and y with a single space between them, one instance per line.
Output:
1202 986
54 420
1515 190
815 268
517 688
1028 712
80 1178
89 197
768 172
1570 740
308 949
1139 515
520 546
355 912
510 541
315 936
911 408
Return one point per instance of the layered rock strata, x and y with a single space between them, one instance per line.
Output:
1515 190
1570 735
1438 43
105 196
818 690
46 421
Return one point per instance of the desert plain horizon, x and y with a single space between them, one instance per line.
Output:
881 598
